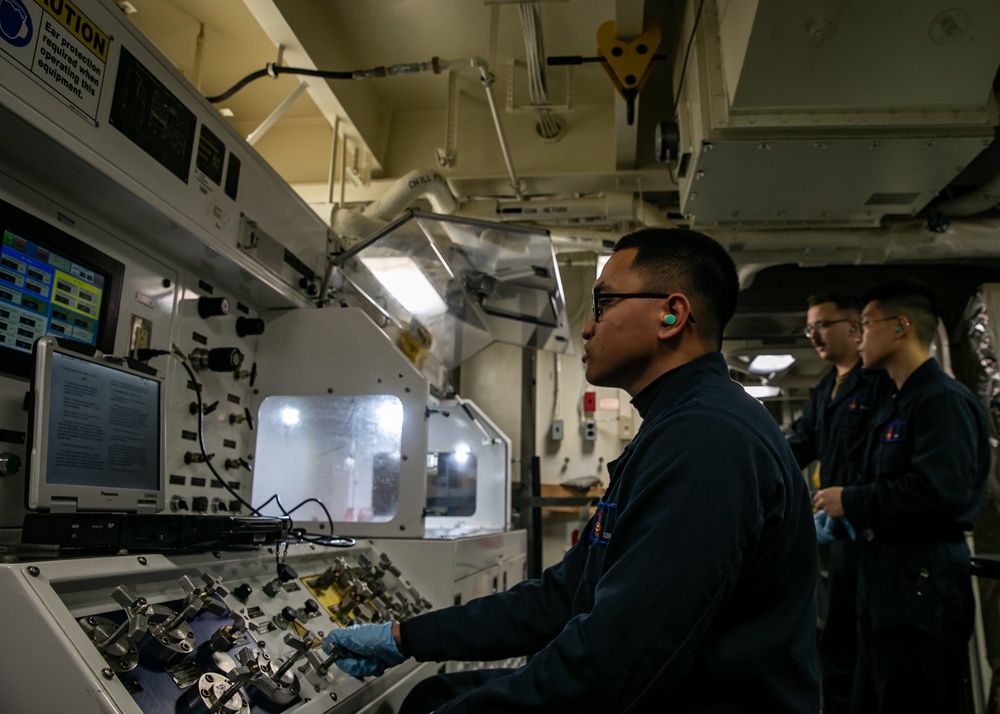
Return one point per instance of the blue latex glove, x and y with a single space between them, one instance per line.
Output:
831 529
370 649
824 527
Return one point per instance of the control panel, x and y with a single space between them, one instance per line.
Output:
217 335
215 632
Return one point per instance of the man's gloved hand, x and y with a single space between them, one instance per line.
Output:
831 529
824 527
371 649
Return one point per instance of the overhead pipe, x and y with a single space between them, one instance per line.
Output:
486 77
981 199
419 183
436 65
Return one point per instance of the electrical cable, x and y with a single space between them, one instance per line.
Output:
299 534
548 126
201 432
687 51
273 70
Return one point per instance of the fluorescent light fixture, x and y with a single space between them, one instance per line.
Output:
767 364
760 392
226 112
289 416
403 279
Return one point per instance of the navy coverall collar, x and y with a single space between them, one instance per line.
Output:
927 372
687 374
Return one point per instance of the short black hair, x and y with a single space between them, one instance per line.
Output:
909 297
845 302
682 260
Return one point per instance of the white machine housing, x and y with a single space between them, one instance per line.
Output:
345 418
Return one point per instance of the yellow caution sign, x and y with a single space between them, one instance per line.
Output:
79 25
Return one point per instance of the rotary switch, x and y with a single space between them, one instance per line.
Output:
219 359
213 307
10 464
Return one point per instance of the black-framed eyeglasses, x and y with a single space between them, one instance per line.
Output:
601 300
820 326
863 324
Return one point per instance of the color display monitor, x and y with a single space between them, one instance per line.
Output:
52 284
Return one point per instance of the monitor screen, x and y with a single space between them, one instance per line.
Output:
95 439
52 284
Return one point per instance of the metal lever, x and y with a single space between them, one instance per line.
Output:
117 643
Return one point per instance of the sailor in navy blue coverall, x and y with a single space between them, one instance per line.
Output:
927 460
694 589
832 429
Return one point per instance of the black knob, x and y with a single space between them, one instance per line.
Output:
224 359
10 464
286 572
199 503
249 326
311 606
220 359
288 613
243 592
212 307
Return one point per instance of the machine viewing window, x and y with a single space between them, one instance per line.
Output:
451 483
52 284
343 450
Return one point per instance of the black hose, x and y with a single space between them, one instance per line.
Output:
273 71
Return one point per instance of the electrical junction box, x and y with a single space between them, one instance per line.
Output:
556 430
626 429
589 430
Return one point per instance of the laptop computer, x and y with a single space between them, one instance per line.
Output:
95 472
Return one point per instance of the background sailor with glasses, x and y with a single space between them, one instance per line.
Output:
926 462
832 430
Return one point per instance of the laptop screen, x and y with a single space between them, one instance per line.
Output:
95 435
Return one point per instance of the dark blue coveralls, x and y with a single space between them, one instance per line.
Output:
694 591
927 460
834 430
